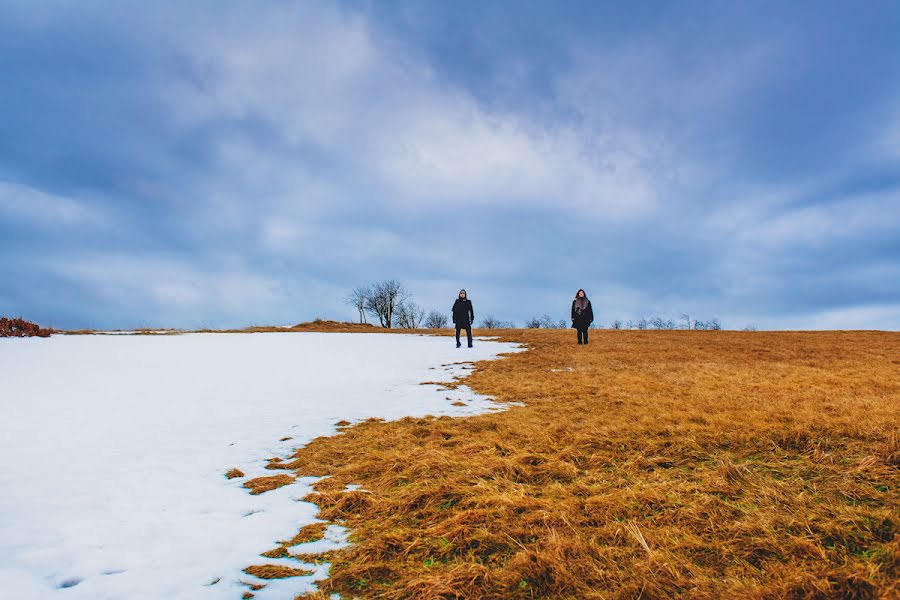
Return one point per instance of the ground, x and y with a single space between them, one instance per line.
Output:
646 464
160 440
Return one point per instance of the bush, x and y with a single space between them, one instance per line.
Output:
436 320
491 322
21 328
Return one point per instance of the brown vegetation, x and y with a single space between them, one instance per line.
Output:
234 473
265 484
22 328
652 464
275 571
307 533
317 325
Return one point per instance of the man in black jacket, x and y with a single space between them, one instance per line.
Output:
463 316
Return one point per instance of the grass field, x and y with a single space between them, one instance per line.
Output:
647 464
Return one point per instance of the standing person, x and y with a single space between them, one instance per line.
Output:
463 316
582 315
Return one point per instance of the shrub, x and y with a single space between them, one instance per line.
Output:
21 328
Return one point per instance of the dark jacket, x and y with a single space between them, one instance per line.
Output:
463 313
581 319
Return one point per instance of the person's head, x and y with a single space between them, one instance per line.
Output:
462 294
580 294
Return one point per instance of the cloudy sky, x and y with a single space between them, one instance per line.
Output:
228 163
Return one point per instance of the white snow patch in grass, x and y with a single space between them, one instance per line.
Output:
114 450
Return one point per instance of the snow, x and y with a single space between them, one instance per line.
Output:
115 447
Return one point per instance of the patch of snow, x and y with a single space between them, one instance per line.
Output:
115 448
335 538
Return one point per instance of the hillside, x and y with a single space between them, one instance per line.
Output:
699 464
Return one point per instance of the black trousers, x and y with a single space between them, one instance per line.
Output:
582 334
468 329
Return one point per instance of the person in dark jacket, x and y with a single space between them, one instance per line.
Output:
582 315
463 316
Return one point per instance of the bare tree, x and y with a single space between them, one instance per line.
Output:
436 320
357 299
617 324
384 299
489 322
687 321
533 323
410 315
642 324
660 323
711 325
547 322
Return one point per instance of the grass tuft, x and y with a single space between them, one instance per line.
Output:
261 485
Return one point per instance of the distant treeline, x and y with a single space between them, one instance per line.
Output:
390 304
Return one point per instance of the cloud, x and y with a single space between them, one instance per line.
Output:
217 163
30 208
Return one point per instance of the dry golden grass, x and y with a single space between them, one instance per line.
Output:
275 571
647 464
265 484
234 473
651 464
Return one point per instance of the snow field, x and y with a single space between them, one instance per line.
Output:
115 448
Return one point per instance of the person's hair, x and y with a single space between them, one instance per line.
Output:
581 291
463 291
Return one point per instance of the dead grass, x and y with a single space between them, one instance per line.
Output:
275 571
308 533
651 464
260 485
234 473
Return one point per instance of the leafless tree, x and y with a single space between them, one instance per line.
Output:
547 322
491 322
642 324
410 315
384 299
357 299
533 323
436 320
660 323
617 324
687 321
711 325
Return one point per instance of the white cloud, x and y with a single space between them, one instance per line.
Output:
33 208
868 316
172 288
326 83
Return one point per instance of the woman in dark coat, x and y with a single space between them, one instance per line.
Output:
463 316
582 315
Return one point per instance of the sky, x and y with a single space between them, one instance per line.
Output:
220 164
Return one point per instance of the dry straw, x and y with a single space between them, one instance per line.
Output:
758 465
